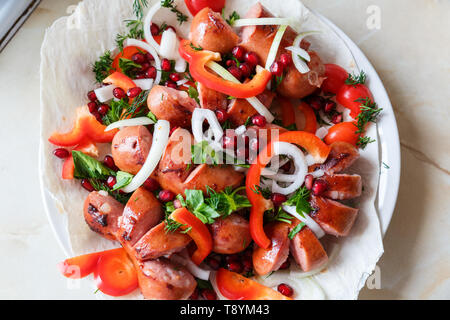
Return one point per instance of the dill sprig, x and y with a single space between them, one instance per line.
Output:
169 4
137 108
369 113
364 141
138 8
102 66
354 79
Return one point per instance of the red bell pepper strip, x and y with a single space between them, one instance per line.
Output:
68 167
86 128
80 266
287 112
127 53
120 80
310 118
198 69
313 145
197 231
234 286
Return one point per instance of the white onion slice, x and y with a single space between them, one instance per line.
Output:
159 143
144 84
240 130
145 46
141 121
294 24
310 223
259 107
275 45
301 52
321 132
147 24
180 64
198 116
301 167
318 173
181 82
169 44
195 270
301 65
105 93
310 160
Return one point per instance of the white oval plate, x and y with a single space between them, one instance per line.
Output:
388 140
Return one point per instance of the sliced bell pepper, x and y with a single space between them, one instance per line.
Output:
86 128
80 266
198 69
197 231
310 118
127 53
87 147
237 287
120 80
313 145
287 112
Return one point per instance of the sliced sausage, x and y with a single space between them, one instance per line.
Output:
231 234
307 250
271 259
239 110
172 105
342 156
162 279
177 155
211 32
216 177
211 99
101 212
157 243
142 212
342 186
333 217
130 148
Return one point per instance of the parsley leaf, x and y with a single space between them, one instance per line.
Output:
202 152
193 93
123 179
296 230
196 204
300 201
227 201
87 167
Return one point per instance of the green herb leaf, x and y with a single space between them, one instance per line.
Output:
227 201
196 204
195 48
123 179
296 230
169 4
202 152
87 167
152 116
102 67
300 200
193 93
354 79
128 67
232 18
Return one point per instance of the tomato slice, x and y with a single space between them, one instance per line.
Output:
195 6
335 78
115 274
237 287
79 267
344 131
352 96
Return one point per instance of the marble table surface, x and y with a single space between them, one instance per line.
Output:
410 51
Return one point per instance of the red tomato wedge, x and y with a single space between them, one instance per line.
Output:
115 274
352 96
335 78
344 131
237 287
79 267
195 6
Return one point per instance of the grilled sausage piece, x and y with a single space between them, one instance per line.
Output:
259 40
333 217
162 279
239 110
307 249
271 259
142 212
217 178
211 32
172 105
157 243
231 234
342 186
130 148
211 99
342 156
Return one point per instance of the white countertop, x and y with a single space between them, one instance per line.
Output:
410 54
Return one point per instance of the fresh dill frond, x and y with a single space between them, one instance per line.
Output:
354 79
102 66
170 4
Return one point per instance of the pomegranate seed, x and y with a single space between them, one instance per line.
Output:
194 295
144 67
119 93
92 96
61 153
229 142
140 76
222 115
149 57
232 258
329 106
309 180
175 77
316 102
259 120
103 109
337 118
285 289
151 73
109 162
245 70
87 185
154 29
138 58
208 294
278 199
134 92
230 63
236 72
213 263
166 65
235 267
285 59
166 195
285 265
151 184
319 187
97 116
251 58
111 181
92 106
276 69
171 84
170 27
239 53
177 204
247 264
